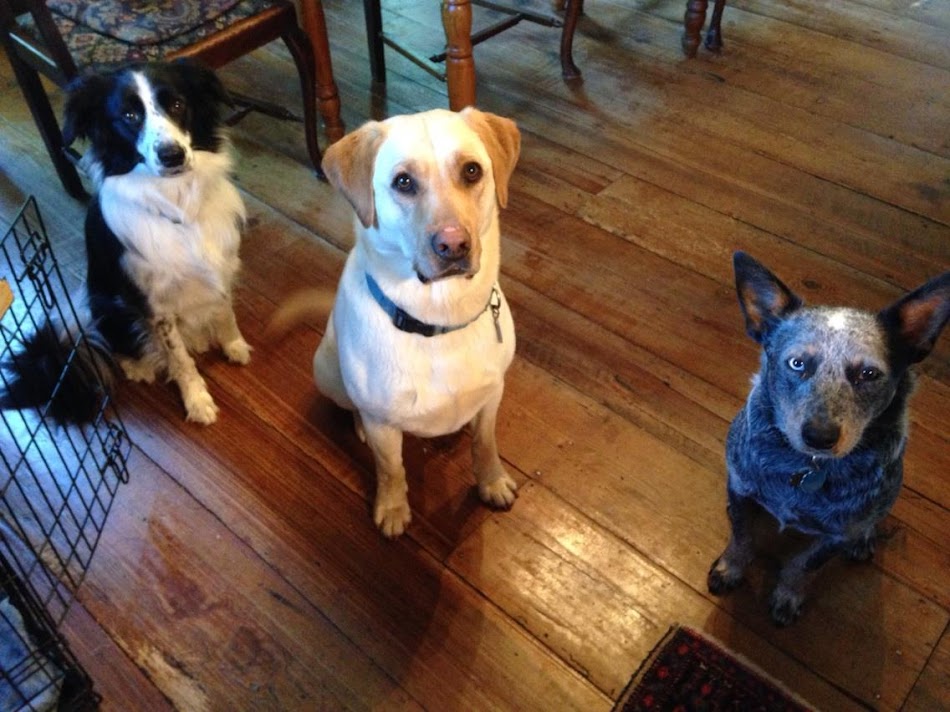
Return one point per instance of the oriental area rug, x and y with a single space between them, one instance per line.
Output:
687 672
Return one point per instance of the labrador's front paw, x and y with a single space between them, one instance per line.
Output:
499 492
392 515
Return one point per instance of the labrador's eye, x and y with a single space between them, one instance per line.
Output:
796 364
471 172
405 184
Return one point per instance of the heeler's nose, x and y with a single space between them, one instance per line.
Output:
820 434
170 155
451 243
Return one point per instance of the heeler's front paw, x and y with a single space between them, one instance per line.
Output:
722 578
860 550
785 605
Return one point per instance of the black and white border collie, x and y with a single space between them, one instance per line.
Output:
162 235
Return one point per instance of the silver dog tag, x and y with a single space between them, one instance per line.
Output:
809 480
495 305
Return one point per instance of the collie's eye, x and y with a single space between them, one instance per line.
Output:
405 183
132 117
471 172
796 364
869 373
176 107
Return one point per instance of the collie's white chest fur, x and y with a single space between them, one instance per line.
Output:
181 234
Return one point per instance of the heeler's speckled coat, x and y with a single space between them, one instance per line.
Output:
820 441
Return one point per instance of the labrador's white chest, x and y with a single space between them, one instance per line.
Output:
428 386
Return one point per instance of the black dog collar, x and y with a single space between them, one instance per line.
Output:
405 322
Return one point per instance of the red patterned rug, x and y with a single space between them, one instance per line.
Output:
687 672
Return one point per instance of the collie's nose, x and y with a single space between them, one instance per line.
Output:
820 434
170 155
451 243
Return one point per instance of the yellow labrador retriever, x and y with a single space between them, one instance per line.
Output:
420 335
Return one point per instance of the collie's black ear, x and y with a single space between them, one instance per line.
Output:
205 94
764 298
914 322
201 81
85 99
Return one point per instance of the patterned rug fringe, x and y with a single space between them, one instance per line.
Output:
688 670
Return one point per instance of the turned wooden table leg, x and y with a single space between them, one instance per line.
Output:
374 31
713 34
693 25
572 10
328 97
459 64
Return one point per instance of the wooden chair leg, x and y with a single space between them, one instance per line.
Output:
45 119
374 36
299 46
459 64
693 25
714 34
328 96
572 10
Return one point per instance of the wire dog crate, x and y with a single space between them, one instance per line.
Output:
56 488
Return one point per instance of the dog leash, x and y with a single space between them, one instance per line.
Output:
408 323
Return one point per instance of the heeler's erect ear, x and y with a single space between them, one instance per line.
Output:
764 299
914 322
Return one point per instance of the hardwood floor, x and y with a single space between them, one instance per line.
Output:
240 569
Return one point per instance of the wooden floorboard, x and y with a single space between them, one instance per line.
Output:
240 569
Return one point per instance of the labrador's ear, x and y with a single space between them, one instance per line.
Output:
502 141
349 165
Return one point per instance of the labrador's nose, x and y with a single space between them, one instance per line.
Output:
451 243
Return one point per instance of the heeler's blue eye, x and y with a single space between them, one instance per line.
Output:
796 364
869 373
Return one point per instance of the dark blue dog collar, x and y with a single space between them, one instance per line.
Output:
405 322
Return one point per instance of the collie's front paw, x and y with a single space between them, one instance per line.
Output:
141 370
201 408
237 351
499 492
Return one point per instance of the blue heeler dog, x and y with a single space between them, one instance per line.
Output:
820 441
